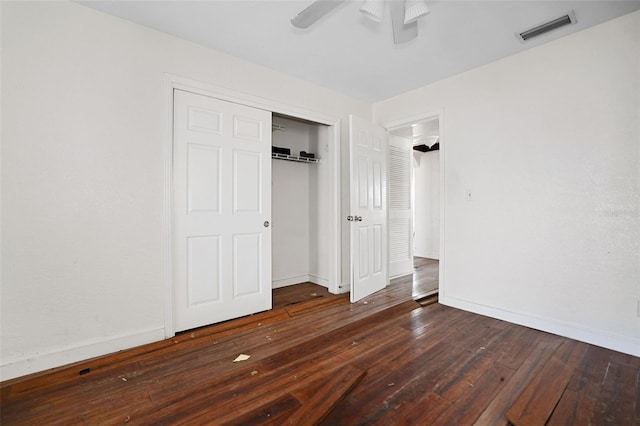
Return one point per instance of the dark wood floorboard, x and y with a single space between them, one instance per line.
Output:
389 359
294 294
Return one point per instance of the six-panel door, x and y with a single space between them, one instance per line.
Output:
222 204
368 186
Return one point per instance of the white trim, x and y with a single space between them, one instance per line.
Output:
439 115
402 274
443 204
284 282
335 267
600 338
427 255
167 207
172 82
89 349
202 88
319 281
396 124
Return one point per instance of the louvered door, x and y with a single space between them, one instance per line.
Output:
400 204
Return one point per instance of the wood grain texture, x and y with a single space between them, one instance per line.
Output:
424 365
538 400
327 396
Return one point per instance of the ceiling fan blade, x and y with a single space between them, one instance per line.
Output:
314 11
402 32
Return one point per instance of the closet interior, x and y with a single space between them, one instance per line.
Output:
301 202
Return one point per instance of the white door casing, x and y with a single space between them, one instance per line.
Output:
222 206
400 207
368 207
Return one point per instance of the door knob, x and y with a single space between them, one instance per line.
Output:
350 218
358 218
266 223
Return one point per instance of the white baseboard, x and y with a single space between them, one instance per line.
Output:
90 349
623 344
428 255
402 274
283 282
319 280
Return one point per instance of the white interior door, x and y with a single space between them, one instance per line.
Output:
368 213
222 207
400 205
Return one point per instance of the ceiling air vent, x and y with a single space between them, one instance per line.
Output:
567 19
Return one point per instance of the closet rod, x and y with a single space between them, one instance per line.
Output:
297 159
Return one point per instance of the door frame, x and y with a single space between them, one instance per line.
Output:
172 82
403 122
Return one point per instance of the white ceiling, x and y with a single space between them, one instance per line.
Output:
348 53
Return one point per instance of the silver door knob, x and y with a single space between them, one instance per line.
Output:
350 218
358 218
266 223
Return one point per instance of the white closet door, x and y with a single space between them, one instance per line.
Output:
222 205
368 186
400 223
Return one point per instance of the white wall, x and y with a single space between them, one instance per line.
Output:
290 206
426 204
82 182
302 206
548 144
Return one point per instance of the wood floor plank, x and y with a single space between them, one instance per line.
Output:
358 330
293 357
299 293
386 388
249 396
519 347
538 400
317 304
273 413
120 364
539 353
468 406
443 373
424 366
578 402
415 371
325 399
425 410
618 399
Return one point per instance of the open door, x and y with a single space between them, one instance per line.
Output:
400 206
222 208
368 213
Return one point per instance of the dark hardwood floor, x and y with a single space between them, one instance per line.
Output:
293 294
319 359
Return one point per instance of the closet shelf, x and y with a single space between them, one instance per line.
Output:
297 159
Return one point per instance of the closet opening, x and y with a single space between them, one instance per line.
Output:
302 207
